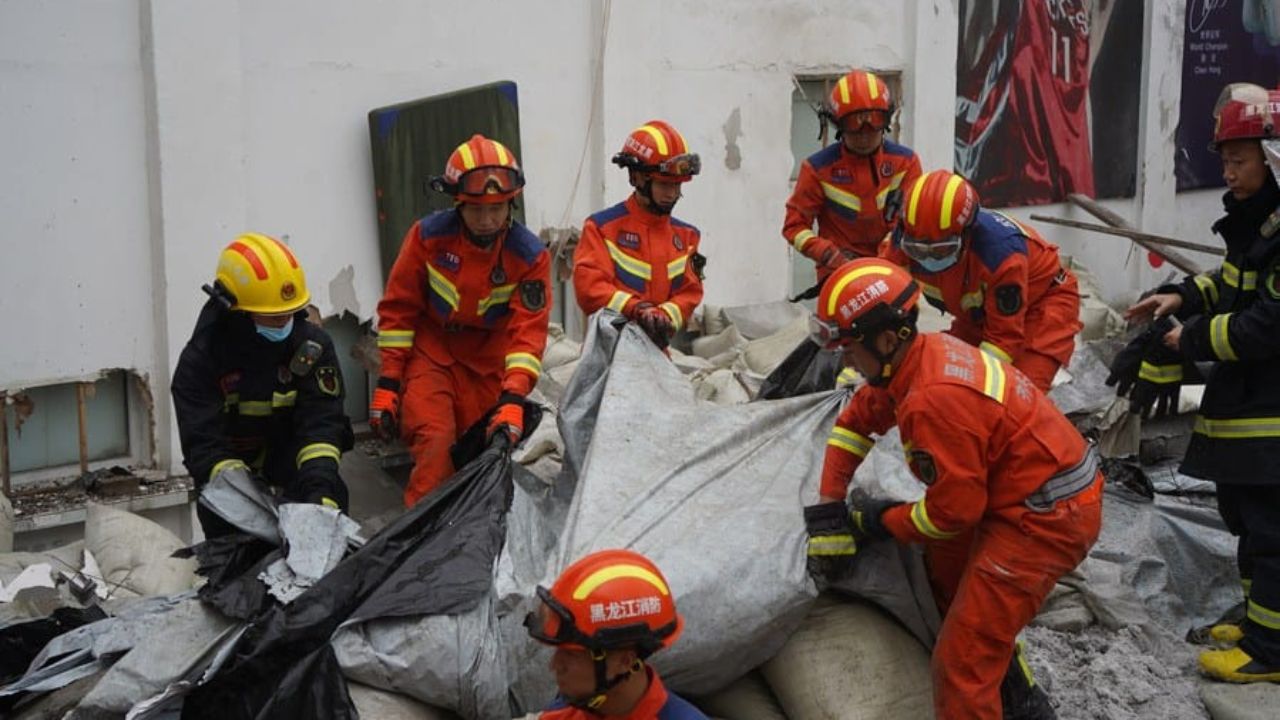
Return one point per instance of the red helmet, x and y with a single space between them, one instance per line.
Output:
937 207
1245 111
863 93
861 298
658 148
608 600
480 171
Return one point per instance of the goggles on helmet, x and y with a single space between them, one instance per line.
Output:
638 635
490 180
826 334
683 165
858 119
925 251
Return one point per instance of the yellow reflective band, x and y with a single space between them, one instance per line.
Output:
895 182
315 451
1161 374
850 277
848 376
843 87
673 312
1238 428
920 518
468 161
395 338
524 361
871 86
930 291
226 465
619 300
602 576
500 295
850 441
1022 664
639 268
914 200
658 139
840 197
330 502
676 267
503 158
1264 616
993 384
949 199
1246 584
443 287
824 545
255 408
969 301
281 400
1231 276
994 349
1220 337
802 238
1208 289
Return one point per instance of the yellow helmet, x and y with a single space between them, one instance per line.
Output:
262 276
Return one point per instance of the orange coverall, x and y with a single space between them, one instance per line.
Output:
628 255
1008 294
847 194
458 325
982 439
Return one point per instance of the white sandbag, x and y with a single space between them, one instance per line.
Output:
850 661
689 364
1225 701
134 553
764 319
1098 318
67 558
712 318
722 388
371 702
766 353
710 346
747 698
6 524
560 349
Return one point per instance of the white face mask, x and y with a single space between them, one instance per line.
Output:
275 334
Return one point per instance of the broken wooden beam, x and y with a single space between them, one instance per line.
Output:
1113 220
1132 235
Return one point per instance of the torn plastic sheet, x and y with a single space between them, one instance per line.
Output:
317 538
244 502
436 559
21 642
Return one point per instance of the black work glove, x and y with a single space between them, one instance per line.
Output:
1125 366
831 547
1160 378
866 513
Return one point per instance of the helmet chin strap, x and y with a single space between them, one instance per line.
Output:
904 333
604 683
486 240
646 191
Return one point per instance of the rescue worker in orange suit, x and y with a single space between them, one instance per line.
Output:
635 258
1013 492
605 615
1232 316
258 390
852 188
1002 282
463 323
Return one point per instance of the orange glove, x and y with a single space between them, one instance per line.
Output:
384 409
508 416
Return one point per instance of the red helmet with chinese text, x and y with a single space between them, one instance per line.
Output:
658 149
481 171
936 209
608 600
862 298
860 98
1245 111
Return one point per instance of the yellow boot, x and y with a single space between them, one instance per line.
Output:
1226 633
1235 665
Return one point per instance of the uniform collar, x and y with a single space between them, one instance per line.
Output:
901 378
644 216
653 699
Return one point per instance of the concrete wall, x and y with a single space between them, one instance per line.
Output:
141 135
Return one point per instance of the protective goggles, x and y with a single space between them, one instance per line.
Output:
552 614
827 335
685 165
925 251
858 119
490 180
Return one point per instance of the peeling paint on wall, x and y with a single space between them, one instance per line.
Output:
732 131
342 292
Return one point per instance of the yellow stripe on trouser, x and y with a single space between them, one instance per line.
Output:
850 441
226 465
1238 428
639 268
832 545
673 312
920 518
618 302
802 238
842 198
1265 617
1220 337
395 338
525 361
315 451
994 349
993 385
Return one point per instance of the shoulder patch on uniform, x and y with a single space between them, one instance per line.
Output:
677 222
305 357
533 294
441 222
825 156
922 465
524 243
1272 283
328 380
1009 299
994 238
893 148
608 215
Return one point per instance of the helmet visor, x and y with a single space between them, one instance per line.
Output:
925 251
826 334
858 119
491 180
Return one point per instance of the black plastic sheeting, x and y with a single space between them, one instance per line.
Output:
21 642
808 369
435 559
